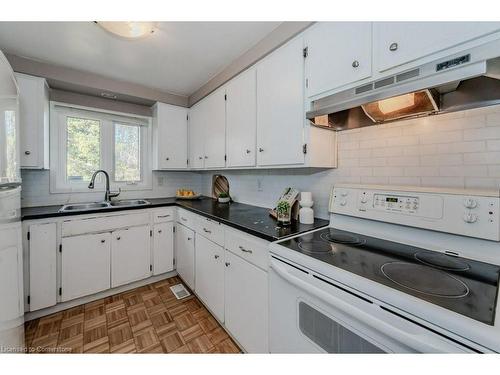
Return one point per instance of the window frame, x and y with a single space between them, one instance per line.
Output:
58 151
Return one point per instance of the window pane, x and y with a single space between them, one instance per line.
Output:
127 153
83 148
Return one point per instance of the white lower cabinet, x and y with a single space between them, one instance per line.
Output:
210 275
130 255
184 254
246 303
43 265
163 248
85 265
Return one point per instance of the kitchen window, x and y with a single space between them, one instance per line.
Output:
87 140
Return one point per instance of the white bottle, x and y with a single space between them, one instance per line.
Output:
306 213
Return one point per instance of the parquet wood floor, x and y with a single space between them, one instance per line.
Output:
148 319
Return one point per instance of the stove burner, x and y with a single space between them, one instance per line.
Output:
425 280
314 247
342 238
442 261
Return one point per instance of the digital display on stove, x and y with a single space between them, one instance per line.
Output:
391 199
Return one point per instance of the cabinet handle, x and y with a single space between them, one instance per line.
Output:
206 230
245 250
200 157
355 64
206 157
216 256
189 238
159 230
167 158
184 219
261 149
248 151
27 152
163 215
102 241
118 238
227 264
393 47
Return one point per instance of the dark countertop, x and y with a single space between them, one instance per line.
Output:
250 219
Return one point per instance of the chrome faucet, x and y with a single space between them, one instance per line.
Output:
108 195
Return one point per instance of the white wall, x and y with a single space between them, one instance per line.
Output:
456 150
36 188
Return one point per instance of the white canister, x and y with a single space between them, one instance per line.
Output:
306 213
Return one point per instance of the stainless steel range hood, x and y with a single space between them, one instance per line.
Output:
439 87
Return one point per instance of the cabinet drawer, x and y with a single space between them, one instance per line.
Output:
163 215
250 248
104 223
186 218
210 229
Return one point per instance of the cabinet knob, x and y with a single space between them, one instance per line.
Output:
159 230
118 238
216 256
102 241
206 157
27 152
167 158
227 264
206 230
200 157
189 238
261 149
393 47
355 64
248 151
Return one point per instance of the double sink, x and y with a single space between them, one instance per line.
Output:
77 207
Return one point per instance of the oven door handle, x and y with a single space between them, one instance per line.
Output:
430 344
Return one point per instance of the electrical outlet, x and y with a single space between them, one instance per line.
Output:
160 181
259 185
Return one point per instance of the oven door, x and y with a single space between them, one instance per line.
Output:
310 313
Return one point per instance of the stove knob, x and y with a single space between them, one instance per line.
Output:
343 202
344 193
470 203
470 218
364 199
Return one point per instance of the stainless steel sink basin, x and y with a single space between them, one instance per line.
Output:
76 207
129 202
84 206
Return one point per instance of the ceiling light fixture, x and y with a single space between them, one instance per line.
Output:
129 29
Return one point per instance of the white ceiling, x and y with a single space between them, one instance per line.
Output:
179 58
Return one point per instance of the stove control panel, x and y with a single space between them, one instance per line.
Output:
396 203
468 213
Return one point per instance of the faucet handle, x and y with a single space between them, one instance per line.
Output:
115 193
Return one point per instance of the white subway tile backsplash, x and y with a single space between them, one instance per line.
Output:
492 132
482 158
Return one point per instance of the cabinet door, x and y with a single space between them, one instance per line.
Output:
397 43
210 275
215 130
163 248
172 136
85 265
196 135
130 255
280 106
246 297
42 266
184 254
241 119
338 53
33 121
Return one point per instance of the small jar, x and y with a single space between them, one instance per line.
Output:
284 213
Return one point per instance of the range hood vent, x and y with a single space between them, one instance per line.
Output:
439 87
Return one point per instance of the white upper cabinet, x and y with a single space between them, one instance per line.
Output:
34 121
170 136
338 53
214 122
397 43
196 136
241 119
280 106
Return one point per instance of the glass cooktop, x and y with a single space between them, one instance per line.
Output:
462 285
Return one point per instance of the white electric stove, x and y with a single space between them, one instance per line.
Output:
399 269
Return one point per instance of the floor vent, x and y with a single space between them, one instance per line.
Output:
180 291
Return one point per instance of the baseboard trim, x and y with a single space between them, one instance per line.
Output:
80 301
